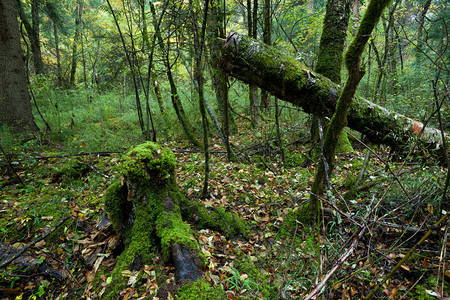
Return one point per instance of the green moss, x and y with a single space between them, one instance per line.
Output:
343 144
114 203
200 290
172 230
147 162
229 223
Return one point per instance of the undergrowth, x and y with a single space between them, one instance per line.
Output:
66 171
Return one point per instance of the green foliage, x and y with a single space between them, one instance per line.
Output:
172 230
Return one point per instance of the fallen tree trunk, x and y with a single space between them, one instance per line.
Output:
290 80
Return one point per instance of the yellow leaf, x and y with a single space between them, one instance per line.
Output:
405 267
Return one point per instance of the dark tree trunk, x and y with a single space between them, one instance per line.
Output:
58 55
267 38
15 107
177 105
33 33
76 38
290 80
331 50
199 43
219 77
252 15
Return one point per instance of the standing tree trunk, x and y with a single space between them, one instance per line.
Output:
199 42
151 47
58 55
177 105
133 75
252 19
219 77
331 49
15 107
76 38
33 33
267 38
339 119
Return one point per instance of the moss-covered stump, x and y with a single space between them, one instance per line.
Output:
147 208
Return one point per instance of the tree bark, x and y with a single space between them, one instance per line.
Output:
15 106
73 70
33 33
331 49
290 80
58 56
253 89
339 119
267 38
176 102
148 210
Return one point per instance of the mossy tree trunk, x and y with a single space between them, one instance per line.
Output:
331 50
267 38
339 119
147 209
329 64
290 80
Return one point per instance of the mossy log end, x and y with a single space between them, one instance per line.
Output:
147 209
290 80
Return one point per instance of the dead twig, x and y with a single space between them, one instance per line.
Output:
22 250
413 249
315 292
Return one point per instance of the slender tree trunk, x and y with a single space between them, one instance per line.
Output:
15 106
267 38
339 119
94 65
252 16
387 50
35 40
135 83
355 9
153 76
219 77
177 105
58 56
83 57
151 72
421 20
199 42
33 33
76 38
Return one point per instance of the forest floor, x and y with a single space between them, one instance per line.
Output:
283 258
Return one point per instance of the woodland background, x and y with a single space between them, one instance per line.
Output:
105 76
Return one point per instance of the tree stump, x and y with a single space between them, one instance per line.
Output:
147 208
